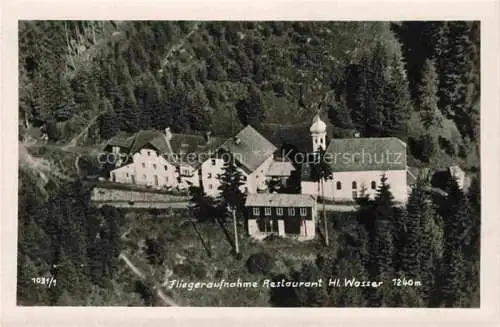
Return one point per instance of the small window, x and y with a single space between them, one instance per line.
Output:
321 141
143 165
127 174
354 185
279 211
166 167
213 162
149 153
256 211
374 185
316 141
209 175
354 194
291 211
113 176
154 166
166 179
143 176
210 186
303 212
267 211
339 185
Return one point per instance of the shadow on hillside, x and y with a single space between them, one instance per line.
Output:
229 237
206 245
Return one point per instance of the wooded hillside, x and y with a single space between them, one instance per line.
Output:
376 77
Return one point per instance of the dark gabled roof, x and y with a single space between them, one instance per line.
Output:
149 137
123 140
249 148
193 149
364 154
186 148
188 143
298 135
280 168
279 200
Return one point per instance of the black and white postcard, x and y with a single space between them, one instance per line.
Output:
241 162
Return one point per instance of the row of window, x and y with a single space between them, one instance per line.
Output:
154 166
373 185
144 176
243 178
279 211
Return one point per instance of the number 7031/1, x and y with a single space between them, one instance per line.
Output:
49 281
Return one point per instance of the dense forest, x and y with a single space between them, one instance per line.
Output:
415 80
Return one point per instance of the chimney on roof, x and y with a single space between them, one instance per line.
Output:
237 140
207 135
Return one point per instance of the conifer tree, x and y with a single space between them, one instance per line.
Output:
251 109
231 180
427 95
457 215
231 198
412 248
338 111
397 102
382 242
456 69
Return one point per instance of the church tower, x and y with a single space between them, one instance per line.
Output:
318 133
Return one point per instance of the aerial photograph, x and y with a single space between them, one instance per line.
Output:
249 164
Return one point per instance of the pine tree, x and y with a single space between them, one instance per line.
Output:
202 207
457 75
382 242
251 109
231 198
107 121
428 96
456 237
381 254
338 111
413 246
367 90
384 202
396 110
231 180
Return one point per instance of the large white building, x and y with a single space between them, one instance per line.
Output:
158 160
358 165
253 155
165 160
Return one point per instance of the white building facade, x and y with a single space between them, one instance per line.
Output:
358 165
253 155
147 168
